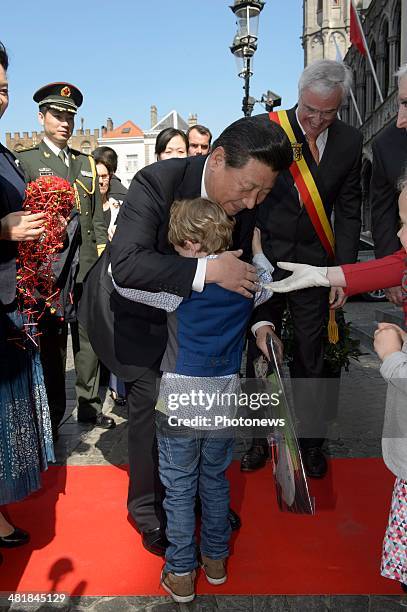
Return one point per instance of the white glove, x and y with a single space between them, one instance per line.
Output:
303 276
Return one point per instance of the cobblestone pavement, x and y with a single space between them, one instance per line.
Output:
355 433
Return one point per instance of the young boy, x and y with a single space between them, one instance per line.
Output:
206 334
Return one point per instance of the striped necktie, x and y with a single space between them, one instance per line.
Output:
312 143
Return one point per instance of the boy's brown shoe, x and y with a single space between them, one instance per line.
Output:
215 570
181 588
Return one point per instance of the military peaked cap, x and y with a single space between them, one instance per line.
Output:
60 96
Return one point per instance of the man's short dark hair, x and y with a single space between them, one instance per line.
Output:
106 156
255 138
43 109
3 57
202 129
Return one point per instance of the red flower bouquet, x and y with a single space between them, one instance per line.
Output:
55 197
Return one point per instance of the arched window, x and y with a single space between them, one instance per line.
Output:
395 36
385 56
366 210
375 97
361 86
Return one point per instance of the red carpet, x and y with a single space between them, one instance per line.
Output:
82 543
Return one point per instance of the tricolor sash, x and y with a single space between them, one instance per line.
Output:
306 186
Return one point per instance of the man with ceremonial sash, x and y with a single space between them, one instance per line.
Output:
323 183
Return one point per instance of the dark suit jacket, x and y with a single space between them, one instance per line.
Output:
389 150
10 201
287 231
130 337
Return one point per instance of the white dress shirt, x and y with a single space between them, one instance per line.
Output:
199 279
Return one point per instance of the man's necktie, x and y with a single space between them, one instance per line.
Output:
62 157
312 143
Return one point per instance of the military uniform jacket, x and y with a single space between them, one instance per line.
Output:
92 237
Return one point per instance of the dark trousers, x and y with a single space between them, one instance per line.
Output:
146 492
309 309
53 344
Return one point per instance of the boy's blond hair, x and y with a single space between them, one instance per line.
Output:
202 221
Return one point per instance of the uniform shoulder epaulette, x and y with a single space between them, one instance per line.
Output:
24 150
77 153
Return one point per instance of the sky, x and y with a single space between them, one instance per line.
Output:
129 54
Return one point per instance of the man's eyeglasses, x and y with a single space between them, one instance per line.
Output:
313 112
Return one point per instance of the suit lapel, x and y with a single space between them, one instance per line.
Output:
331 144
292 117
13 161
191 184
50 160
402 138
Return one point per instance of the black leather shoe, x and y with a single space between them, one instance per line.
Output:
100 421
17 538
234 520
155 541
315 463
118 399
256 456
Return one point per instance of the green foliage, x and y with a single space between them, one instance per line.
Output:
337 355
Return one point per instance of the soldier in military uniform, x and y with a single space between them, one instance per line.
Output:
58 104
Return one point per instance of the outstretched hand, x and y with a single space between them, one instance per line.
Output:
303 276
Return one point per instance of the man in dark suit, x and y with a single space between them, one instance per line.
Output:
389 150
238 174
290 232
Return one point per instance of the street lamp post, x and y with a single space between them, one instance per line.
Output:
245 44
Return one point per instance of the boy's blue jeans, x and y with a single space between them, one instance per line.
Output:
192 461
